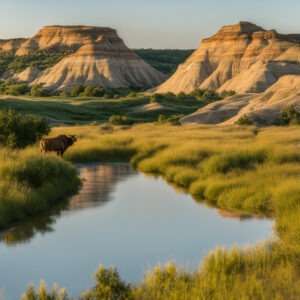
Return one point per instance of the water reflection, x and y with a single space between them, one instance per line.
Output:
98 181
98 184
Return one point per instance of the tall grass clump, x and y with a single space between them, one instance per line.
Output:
30 184
42 293
237 160
109 286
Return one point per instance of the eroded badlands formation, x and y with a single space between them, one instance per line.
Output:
261 66
95 56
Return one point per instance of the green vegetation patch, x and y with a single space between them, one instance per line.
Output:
41 60
166 60
18 130
32 184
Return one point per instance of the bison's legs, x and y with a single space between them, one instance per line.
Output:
60 153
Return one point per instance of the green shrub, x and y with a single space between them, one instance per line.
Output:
157 98
93 91
290 116
39 91
119 120
210 96
17 89
226 94
109 286
76 90
42 293
244 121
198 93
173 119
18 130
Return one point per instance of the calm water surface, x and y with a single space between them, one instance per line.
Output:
120 218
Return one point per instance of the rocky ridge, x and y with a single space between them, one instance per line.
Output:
244 58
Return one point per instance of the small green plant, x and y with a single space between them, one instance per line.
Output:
173 119
17 89
93 91
156 98
76 90
42 293
109 286
290 116
244 121
210 96
119 120
226 94
39 91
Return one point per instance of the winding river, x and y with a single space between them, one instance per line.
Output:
120 218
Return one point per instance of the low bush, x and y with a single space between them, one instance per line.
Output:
17 89
76 90
244 121
93 91
290 116
119 120
42 293
39 91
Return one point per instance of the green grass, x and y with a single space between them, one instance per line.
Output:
164 60
31 184
239 169
86 110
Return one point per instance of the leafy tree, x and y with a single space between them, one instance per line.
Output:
18 130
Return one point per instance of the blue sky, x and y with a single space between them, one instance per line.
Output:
148 23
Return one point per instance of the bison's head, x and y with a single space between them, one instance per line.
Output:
72 139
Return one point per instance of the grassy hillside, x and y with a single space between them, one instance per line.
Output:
166 60
240 169
41 59
86 110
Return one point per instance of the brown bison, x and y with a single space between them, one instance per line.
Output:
58 144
